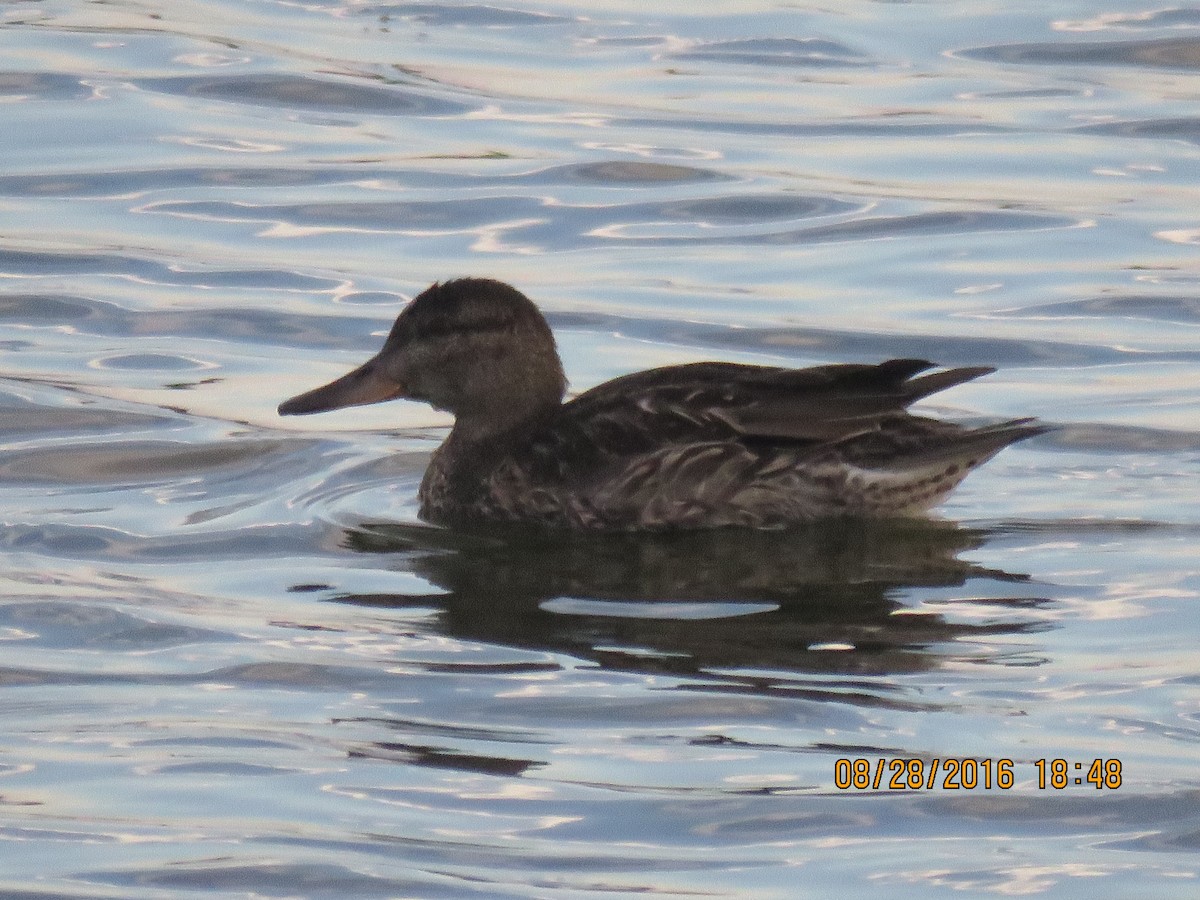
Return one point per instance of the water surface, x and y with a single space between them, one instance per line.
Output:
236 663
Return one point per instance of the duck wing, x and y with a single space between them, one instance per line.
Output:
713 401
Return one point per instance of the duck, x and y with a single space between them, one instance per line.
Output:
697 445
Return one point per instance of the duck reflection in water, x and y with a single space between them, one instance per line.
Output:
695 602
704 445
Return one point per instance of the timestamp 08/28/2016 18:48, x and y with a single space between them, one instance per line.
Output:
954 774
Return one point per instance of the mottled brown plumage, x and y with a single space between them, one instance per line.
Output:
692 446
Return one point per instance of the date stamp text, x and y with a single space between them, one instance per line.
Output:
968 774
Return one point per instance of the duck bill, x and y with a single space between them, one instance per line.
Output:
363 386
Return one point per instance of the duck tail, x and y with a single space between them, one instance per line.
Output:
971 448
917 481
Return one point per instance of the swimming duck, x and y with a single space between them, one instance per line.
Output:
689 446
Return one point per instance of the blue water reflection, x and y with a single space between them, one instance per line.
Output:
235 662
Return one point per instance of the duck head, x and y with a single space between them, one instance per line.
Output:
474 347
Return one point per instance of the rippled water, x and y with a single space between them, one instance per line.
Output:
233 660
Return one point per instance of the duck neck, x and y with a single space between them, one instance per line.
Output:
500 423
